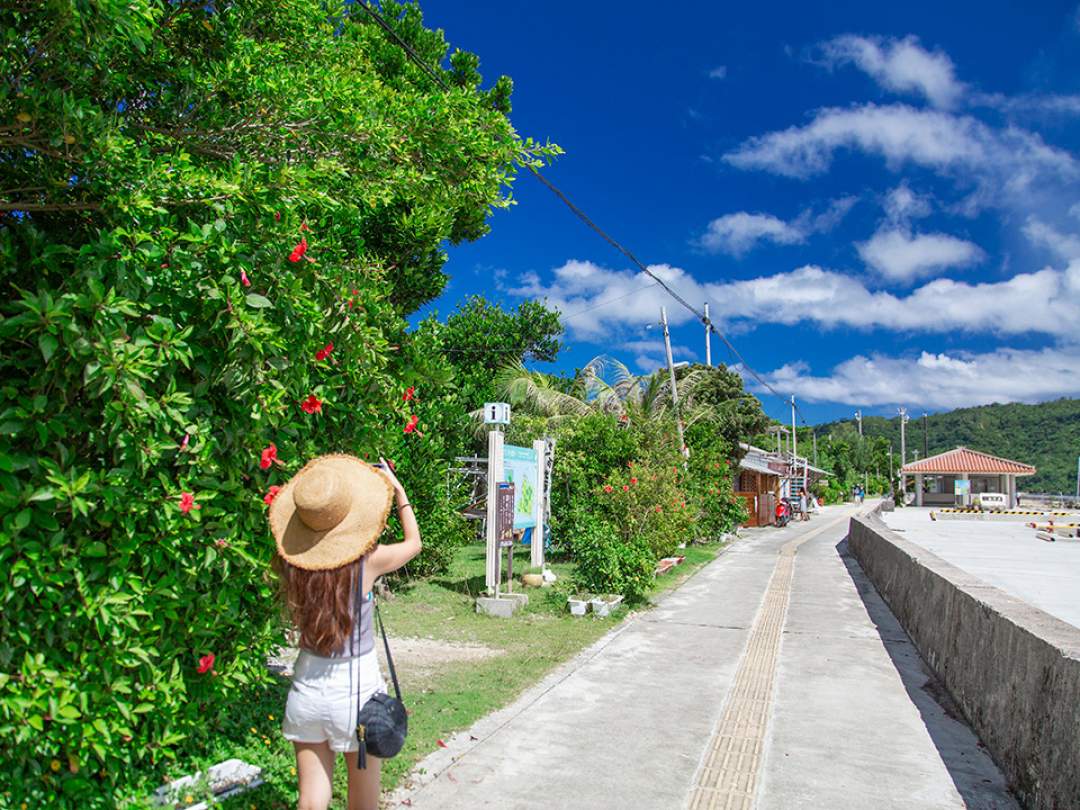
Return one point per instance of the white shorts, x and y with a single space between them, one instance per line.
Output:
322 701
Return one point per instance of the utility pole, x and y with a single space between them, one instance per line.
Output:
794 449
708 336
925 438
903 453
891 482
862 453
671 371
794 435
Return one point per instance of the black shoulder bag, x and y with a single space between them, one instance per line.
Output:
382 723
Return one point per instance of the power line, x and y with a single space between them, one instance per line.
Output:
609 301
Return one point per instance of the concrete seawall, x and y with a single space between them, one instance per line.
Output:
1013 669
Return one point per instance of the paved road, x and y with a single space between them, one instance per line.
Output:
774 678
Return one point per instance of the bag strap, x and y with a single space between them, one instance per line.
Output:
389 657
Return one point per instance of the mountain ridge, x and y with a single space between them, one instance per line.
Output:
1046 434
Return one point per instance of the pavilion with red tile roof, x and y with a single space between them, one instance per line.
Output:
936 476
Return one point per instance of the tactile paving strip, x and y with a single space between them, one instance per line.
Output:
727 777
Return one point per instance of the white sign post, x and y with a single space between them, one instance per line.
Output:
537 549
494 476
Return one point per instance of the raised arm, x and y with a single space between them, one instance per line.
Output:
390 557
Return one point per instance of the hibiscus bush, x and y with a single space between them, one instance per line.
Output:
216 219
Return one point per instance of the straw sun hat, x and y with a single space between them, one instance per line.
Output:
330 513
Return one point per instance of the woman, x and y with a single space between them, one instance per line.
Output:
326 522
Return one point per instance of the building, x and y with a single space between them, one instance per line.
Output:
765 477
935 477
758 484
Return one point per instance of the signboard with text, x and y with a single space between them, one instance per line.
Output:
504 515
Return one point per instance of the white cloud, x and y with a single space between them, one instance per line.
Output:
1066 246
718 72
1031 103
903 205
738 233
1006 160
649 355
811 294
899 65
898 255
940 380
603 303
1045 301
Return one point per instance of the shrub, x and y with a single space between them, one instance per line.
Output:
218 194
646 502
607 562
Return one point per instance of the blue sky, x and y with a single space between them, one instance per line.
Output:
881 202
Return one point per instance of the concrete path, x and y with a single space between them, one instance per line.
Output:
774 678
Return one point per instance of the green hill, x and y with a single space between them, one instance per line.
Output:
1046 435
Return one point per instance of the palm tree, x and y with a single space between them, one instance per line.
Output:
641 399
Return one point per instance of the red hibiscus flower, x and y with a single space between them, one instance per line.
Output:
312 404
304 227
187 502
625 488
410 426
659 508
271 494
269 456
298 251
324 352
244 279
633 480
608 488
185 442
206 663
277 216
409 394
221 542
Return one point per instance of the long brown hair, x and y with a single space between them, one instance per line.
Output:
319 603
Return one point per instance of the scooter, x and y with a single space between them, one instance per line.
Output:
783 513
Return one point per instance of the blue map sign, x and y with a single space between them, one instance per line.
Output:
521 468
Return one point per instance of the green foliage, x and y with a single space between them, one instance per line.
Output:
735 415
160 329
479 338
647 502
606 562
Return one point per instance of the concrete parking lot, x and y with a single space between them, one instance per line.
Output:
1005 555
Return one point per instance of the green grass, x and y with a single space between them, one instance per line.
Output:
535 641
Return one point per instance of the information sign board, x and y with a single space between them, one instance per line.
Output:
504 515
521 468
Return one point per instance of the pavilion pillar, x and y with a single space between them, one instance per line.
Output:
918 489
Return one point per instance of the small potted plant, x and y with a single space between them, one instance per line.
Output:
605 603
579 604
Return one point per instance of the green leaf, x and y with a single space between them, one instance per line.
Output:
47 343
22 520
96 549
257 301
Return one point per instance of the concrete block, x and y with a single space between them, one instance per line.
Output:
505 606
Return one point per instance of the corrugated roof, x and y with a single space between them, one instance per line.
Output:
963 460
756 464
